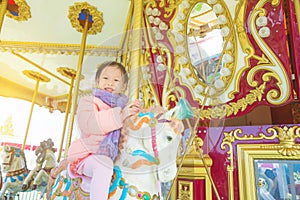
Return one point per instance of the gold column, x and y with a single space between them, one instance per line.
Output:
38 77
133 92
71 74
297 10
3 9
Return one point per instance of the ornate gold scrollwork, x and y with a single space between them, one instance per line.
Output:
237 64
97 17
185 190
234 107
23 11
178 38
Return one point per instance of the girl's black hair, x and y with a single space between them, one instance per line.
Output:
112 63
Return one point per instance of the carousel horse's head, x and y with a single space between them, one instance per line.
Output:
12 159
45 152
159 132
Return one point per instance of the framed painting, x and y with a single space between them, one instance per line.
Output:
266 174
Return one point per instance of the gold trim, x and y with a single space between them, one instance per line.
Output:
24 11
77 8
58 48
232 108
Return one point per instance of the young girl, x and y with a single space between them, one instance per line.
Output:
100 118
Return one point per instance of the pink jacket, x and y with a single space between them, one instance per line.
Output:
95 119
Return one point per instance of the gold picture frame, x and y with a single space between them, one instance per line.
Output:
255 148
253 186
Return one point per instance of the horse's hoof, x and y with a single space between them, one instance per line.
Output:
24 187
34 186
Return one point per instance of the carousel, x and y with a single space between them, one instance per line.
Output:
218 82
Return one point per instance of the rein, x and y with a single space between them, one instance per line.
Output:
19 173
152 121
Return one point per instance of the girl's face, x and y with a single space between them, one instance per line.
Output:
111 80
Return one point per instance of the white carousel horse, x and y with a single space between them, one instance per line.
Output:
149 157
38 178
14 166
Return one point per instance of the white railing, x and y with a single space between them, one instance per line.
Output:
33 195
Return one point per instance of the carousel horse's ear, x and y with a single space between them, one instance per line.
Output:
182 110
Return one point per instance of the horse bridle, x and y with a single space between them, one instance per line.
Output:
11 158
152 121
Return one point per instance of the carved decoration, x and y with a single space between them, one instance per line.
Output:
185 190
23 11
252 72
97 17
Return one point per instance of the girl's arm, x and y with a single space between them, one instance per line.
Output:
93 119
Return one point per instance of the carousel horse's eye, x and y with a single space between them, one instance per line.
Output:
169 138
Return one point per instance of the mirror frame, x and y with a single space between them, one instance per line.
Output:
185 72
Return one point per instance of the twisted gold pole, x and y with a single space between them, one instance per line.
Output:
133 92
76 86
3 9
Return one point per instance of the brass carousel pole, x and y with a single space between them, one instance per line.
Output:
76 86
136 48
71 74
85 27
38 77
2 12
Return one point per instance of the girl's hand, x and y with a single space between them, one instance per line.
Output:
131 109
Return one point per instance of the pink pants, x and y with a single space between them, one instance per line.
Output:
100 169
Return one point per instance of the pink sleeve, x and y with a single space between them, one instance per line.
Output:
93 119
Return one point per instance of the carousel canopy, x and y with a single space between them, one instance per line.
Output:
41 40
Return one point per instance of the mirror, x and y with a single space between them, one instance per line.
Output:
205 42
